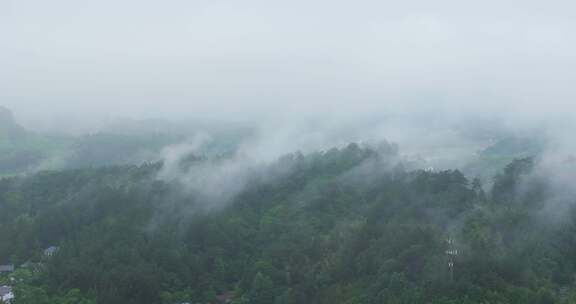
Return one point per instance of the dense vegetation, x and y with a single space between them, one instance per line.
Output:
349 225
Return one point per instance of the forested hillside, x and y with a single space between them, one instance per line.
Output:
349 225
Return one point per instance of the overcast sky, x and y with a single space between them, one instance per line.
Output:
254 58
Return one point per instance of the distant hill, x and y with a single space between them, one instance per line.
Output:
23 151
9 129
122 142
15 154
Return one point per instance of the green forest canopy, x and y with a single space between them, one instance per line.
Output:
348 225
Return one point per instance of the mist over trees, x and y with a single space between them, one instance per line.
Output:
346 225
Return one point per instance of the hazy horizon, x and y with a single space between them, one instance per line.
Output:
256 60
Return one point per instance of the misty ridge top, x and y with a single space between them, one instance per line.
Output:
479 148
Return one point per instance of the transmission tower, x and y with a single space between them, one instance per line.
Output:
451 253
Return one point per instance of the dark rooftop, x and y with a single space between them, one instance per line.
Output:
6 268
4 290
